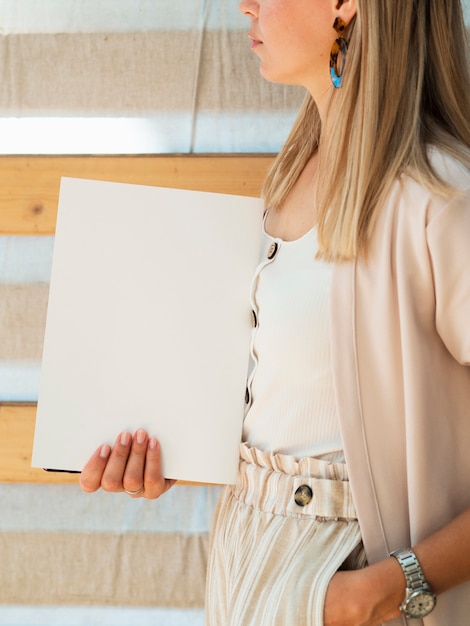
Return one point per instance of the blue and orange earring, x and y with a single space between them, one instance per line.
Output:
340 46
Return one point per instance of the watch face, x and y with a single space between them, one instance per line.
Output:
420 604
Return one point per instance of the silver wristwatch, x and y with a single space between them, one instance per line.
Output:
419 599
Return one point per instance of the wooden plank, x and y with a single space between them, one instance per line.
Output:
30 184
17 422
16 442
28 206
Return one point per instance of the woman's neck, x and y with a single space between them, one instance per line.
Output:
296 216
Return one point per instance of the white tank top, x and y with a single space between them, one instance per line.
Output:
290 405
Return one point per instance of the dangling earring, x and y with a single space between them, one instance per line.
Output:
339 45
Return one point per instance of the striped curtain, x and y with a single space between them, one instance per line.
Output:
134 76
112 77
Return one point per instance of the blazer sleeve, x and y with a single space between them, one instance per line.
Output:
448 237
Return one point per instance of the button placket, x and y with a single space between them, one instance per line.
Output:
272 250
269 256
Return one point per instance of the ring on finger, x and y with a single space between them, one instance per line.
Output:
135 493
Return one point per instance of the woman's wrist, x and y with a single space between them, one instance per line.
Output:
387 587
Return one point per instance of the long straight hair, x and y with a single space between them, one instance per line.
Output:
405 87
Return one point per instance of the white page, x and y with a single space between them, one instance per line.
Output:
148 325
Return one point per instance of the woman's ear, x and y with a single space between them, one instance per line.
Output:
345 9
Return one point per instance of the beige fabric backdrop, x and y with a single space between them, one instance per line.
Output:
62 551
186 64
133 73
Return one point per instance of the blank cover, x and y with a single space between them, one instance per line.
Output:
148 325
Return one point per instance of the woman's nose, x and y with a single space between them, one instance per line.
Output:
248 7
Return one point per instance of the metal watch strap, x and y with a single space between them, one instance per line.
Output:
419 599
411 568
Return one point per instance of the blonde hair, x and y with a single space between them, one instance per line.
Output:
405 87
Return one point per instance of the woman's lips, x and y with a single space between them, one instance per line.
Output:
254 41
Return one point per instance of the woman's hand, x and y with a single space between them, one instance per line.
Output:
371 596
132 465
365 597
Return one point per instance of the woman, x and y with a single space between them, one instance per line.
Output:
358 407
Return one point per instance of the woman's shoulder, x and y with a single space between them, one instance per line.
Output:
415 205
450 169
451 187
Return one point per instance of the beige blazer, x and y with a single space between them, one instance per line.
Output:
401 350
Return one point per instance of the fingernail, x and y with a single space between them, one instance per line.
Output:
105 451
153 443
125 439
140 436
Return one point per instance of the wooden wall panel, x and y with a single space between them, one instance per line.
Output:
29 186
16 442
29 193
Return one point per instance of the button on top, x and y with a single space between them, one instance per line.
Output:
272 250
303 495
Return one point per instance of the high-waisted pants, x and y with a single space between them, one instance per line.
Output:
279 535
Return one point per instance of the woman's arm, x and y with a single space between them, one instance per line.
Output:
372 596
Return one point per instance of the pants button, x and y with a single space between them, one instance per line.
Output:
303 495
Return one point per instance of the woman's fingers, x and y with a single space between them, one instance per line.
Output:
106 467
132 465
155 484
92 473
112 479
133 479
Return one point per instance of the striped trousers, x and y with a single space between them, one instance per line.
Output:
279 535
